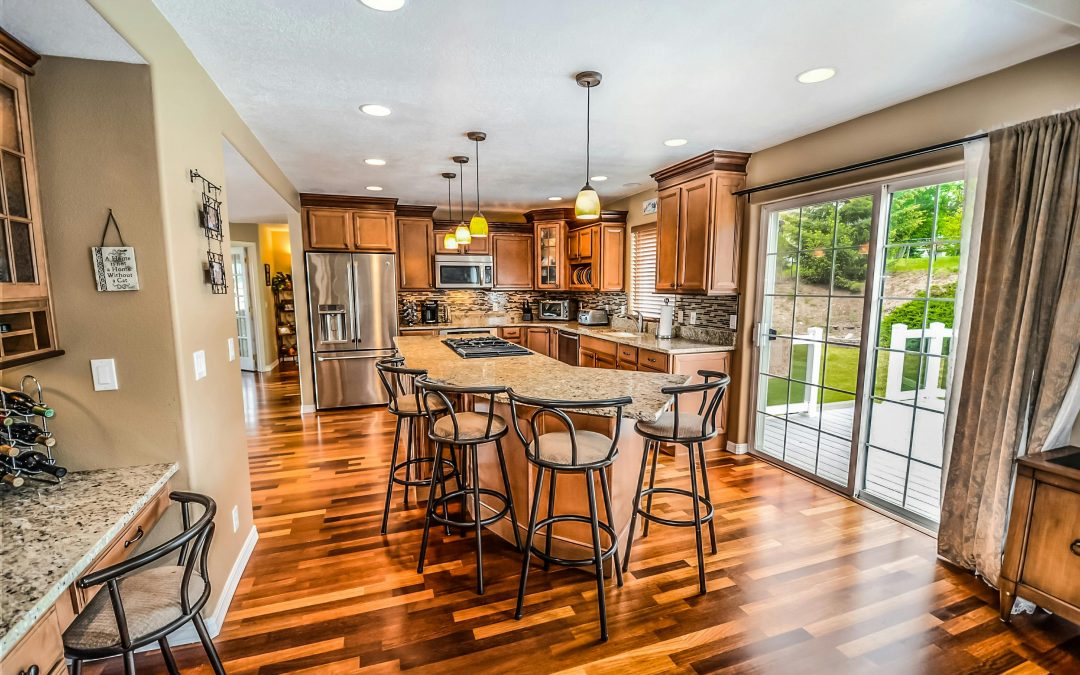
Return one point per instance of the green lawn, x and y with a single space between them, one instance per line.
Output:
841 372
942 265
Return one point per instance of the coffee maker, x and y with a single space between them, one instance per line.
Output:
429 311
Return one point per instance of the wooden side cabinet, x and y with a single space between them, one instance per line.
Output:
1042 547
416 248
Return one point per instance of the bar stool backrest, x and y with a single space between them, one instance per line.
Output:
399 381
193 543
712 393
550 408
437 403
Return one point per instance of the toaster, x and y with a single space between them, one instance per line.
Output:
593 317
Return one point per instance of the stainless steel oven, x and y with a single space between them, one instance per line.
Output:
463 271
558 310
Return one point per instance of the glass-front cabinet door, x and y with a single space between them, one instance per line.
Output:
550 258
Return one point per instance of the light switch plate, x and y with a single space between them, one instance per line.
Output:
235 518
200 364
693 318
104 374
232 350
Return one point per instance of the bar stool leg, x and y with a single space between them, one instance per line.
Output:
611 522
637 504
464 487
408 463
166 653
436 465
529 534
509 496
594 521
427 515
208 645
550 514
708 497
652 484
390 479
76 667
477 517
697 521
129 663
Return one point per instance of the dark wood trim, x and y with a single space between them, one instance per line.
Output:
1041 462
606 218
442 225
713 160
415 211
355 202
31 358
18 54
555 213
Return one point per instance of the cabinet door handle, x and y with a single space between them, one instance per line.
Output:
138 535
1075 547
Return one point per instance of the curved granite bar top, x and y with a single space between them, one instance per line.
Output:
49 535
541 376
676 345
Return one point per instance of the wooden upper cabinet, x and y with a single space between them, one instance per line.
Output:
477 246
667 238
415 254
550 238
586 238
612 257
374 231
697 224
329 229
513 259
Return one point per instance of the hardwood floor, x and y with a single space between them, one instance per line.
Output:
805 581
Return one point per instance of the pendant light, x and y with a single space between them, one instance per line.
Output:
462 233
449 241
478 226
587 204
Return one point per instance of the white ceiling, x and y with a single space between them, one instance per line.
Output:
249 198
65 28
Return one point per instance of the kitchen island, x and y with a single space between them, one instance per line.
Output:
539 376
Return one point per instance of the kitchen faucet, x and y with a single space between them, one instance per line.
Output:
640 321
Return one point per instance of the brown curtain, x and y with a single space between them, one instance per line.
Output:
1024 338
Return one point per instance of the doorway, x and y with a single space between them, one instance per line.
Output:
856 324
246 325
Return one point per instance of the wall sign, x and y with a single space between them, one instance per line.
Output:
266 271
648 207
114 266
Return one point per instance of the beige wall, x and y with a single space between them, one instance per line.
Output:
1032 89
94 128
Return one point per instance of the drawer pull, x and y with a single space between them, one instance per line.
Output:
1075 547
138 535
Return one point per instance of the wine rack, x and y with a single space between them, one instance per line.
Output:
26 444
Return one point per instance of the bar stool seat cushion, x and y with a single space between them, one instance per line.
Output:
689 426
470 425
555 447
151 600
406 403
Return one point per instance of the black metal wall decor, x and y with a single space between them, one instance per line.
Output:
210 222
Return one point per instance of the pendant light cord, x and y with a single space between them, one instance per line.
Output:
449 199
477 175
461 196
588 129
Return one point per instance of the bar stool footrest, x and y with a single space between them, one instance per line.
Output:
575 562
705 517
444 475
445 500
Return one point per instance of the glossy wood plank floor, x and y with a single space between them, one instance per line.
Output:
804 581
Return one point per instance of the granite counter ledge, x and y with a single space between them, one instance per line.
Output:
50 535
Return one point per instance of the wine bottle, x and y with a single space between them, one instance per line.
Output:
9 450
6 420
35 462
23 404
11 479
31 434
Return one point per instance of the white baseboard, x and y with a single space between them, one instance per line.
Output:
304 409
186 634
270 366
737 448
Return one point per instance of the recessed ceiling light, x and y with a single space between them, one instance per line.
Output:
384 5
816 75
631 184
598 179
374 188
675 142
554 199
375 162
375 110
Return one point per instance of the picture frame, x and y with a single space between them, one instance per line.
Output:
215 271
648 207
210 218
266 272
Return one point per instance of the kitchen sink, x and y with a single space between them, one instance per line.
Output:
621 333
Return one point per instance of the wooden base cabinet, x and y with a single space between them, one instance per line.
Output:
1042 547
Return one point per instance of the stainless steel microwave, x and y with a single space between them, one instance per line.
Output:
558 310
463 271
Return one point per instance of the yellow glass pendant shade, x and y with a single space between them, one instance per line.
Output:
462 235
449 242
478 226
587 204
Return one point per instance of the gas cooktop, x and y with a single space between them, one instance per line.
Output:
485 347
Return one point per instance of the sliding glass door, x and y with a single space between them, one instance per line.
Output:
854 337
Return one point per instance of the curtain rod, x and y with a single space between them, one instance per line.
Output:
860 165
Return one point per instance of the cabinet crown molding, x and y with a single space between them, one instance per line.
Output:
355 202
415 211
567 214
16 53
713 160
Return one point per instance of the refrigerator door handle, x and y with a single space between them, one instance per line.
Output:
381 354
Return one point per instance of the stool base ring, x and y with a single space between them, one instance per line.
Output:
576 562
444 500
705 517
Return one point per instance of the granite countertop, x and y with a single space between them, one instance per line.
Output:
542 377
49 535
676 345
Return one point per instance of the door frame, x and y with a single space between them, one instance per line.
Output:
250 252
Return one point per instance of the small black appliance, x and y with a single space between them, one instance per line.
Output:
429 311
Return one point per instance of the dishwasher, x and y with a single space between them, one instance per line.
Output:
568 347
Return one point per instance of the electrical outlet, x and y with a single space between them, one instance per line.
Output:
733 321
693 318
200 364
235 518
232 350
679 316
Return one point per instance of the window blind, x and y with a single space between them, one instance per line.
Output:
643 295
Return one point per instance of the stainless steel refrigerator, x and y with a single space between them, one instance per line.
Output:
353 304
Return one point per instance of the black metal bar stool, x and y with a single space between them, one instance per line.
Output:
690 430
450 430
570 451
404 403
141 604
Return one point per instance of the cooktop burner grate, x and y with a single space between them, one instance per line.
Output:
484 347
